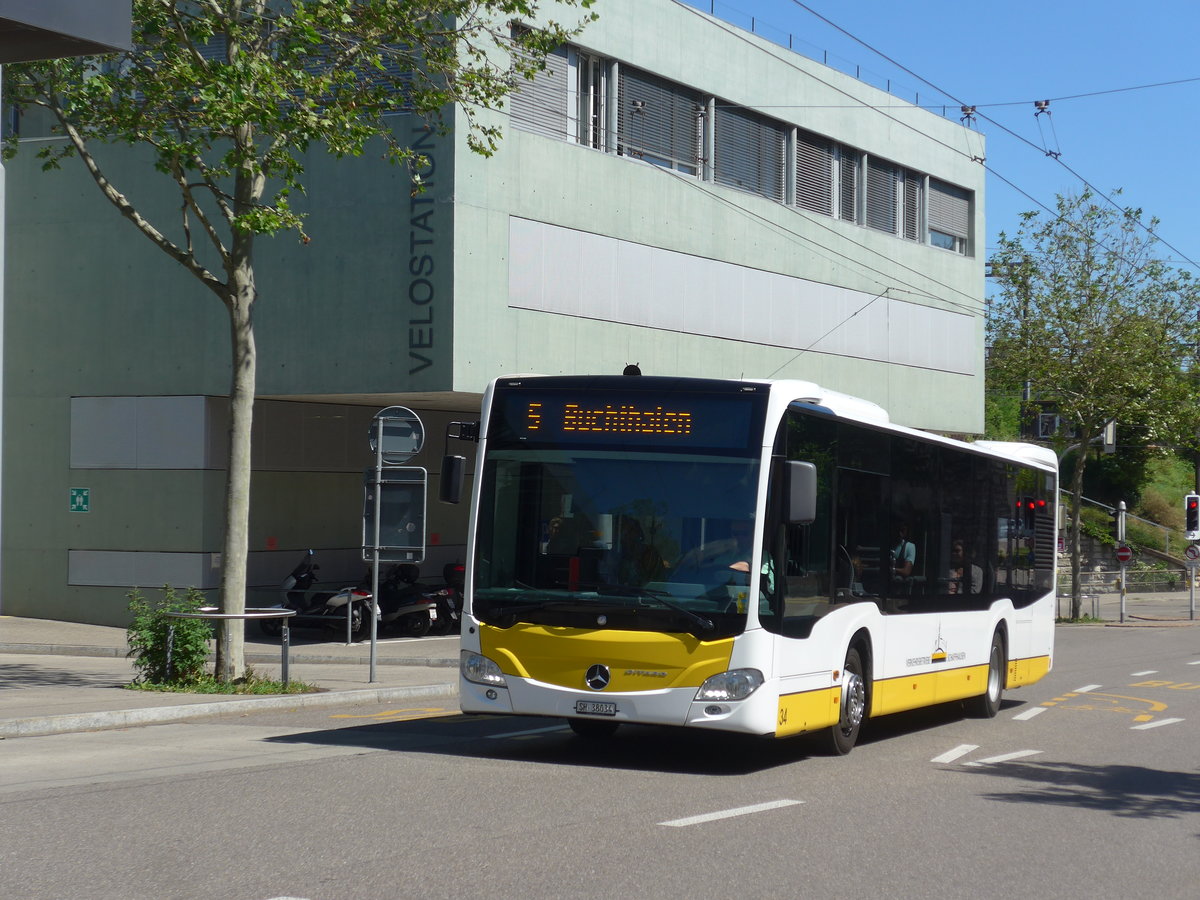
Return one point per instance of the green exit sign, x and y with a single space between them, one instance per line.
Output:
81 499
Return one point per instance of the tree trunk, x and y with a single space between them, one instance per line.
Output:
231 657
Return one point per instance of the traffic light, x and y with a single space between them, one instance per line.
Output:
1027 510
1191 517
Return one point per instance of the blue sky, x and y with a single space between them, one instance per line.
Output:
1003 57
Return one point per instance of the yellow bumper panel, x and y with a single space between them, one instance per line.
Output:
808 711
637 660
1027 671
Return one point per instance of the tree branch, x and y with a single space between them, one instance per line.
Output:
187 260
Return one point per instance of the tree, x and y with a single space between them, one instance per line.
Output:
1087 316
228 95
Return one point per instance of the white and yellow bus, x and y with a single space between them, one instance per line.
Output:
765 557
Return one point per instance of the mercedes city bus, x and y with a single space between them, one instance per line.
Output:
765 557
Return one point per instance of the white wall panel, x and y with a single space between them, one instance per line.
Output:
575 273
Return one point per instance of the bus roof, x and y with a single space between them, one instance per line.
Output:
788 392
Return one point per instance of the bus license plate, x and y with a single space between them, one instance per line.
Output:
595 708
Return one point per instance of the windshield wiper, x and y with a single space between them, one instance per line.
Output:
644 593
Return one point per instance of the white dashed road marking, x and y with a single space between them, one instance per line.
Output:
1086 688
1004 757
951 755
1154 724
730 813
1029 713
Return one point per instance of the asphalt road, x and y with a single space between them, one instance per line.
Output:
1085 785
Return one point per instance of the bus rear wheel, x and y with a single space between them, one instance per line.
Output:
841 738
987 704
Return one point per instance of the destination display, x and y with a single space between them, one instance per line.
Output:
662 420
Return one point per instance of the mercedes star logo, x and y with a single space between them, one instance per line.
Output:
597 677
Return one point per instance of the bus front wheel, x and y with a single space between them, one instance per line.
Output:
987 704
844 735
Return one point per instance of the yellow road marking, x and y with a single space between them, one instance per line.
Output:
403 714
1112 704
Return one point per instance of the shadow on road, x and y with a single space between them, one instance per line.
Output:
1133 792
646 748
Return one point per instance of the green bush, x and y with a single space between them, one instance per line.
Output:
1096 524
167 650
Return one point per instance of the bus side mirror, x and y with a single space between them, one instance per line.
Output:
801 497
453 469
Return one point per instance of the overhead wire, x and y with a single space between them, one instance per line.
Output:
1157 237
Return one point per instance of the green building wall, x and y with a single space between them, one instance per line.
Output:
403 298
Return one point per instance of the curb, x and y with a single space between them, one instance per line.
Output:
256 657
100 721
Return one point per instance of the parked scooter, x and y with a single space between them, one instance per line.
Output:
403 604
322 609
449 600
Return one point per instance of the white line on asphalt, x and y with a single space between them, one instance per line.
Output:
1196 663
509 734
1029 713
1086 688
1154 724
730 813
951 755
1004 757
1147 672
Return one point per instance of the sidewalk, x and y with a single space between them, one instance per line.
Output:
1161 609
58 677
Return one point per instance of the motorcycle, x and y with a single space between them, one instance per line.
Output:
449 600
323 609
403 603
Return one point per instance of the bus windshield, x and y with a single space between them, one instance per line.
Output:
638 541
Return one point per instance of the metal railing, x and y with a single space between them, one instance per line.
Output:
1166 532
1139 581
213 613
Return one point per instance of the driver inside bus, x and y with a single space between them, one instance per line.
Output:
732 553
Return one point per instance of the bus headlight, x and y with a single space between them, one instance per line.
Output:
477 668
736 684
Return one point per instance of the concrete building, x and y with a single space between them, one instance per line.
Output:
712 204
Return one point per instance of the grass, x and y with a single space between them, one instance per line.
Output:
208 684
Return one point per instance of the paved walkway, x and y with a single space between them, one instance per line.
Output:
58 677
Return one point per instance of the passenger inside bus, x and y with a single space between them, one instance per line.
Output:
965 576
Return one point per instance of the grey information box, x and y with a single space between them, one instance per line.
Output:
402 514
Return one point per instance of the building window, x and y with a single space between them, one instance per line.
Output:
750 152
894 199
658 121
540 105
949 216
591 76
814 173
848 161
914 184
612 107
881 211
